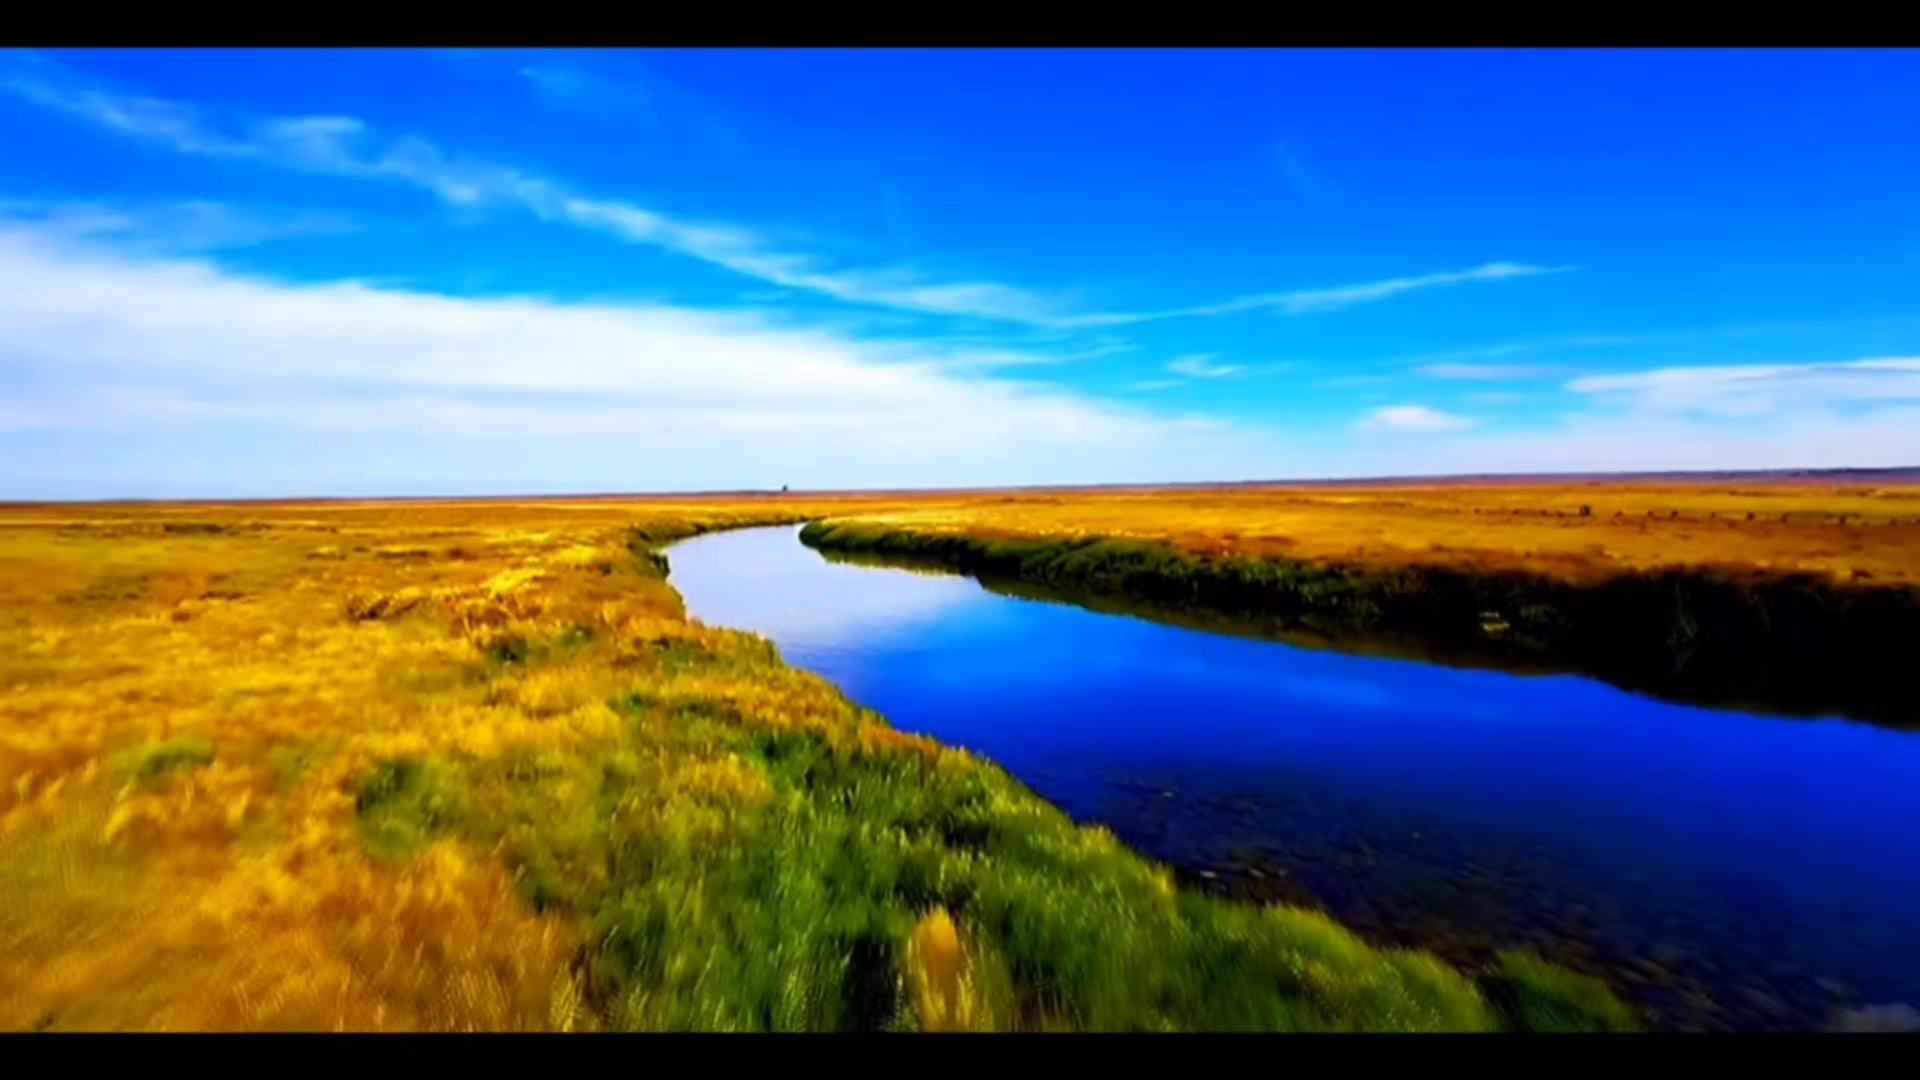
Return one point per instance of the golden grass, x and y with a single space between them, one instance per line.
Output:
1579 532
191 695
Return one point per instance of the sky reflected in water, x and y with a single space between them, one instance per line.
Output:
1785 846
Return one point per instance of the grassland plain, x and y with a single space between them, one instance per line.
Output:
468 766
1788 596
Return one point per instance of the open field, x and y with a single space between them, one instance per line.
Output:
1848 529
457 765
1584 532
444 765
1781 595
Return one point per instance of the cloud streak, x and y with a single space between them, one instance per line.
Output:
1638 442
1414 419
557 80
1202 366
1848 414
131 373
1640 339
348 147
176 225
1758 389
1299 303
129 348
1487 372
1313 301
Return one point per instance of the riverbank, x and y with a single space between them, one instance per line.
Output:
470 767
1792 642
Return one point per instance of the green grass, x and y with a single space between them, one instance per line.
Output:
1533 995
509 650
290 761
152 761
740 871
405 803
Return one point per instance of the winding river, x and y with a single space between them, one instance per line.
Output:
1727 871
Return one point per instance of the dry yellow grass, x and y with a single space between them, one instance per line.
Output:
1846 532
190 695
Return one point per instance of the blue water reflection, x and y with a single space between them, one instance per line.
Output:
1771 862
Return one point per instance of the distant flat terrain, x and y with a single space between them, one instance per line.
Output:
1850 525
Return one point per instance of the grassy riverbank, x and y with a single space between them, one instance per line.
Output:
465 766
1792 640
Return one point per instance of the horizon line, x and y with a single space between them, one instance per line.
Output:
1666 474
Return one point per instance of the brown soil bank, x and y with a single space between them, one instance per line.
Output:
1791 642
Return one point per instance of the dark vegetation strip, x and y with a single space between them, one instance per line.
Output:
1780 642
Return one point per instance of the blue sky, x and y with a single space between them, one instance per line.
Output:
409 272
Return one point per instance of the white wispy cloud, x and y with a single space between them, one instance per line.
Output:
1521 348
1345 381
169 122
1634 441
1296 303
134 373
1202 366
1413 418
1311 301
94 339
628 91
348 147
557 79
1488 372
1758 389
173 225
1642 339
1848 414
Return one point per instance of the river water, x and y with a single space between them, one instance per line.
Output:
1726 871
